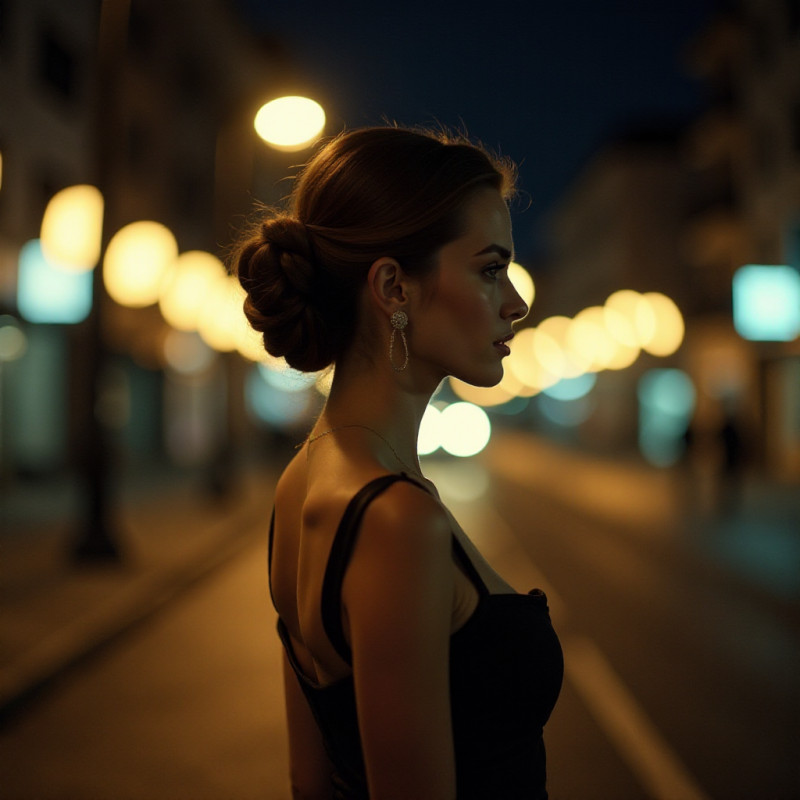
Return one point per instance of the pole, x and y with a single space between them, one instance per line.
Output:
95 539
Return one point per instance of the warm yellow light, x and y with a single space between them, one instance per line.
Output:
464 429
525 367
623 334
668 329
522 281
485 396
590 340
250 344
290 123
72 228
184 289
137 259
428 440
621 323
324 381
552 350
221 318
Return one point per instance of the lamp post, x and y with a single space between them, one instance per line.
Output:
95 540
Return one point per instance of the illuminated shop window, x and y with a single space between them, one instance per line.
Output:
766 303
48 294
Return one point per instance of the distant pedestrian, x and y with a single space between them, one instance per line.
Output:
733 461
413 670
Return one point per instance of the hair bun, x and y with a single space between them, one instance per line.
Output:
277 270
287 237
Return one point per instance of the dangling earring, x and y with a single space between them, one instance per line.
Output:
399 321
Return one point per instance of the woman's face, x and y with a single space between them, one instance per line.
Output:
462 322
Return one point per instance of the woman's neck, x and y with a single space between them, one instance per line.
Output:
379 403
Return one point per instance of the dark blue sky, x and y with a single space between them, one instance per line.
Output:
542 82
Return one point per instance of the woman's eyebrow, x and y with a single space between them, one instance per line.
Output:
496 248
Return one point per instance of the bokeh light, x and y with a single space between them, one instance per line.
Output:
72 228
290 123
46 293
572 388
185 287
464 428
13 341
766 302
522 281
661 327
428 440
272 404
666 404
221 321
136 262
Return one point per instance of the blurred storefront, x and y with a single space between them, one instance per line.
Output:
168 137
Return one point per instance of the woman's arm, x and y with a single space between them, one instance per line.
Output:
398 597
309 767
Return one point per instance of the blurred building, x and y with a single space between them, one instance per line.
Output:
617 227
680 214
162 123
744 208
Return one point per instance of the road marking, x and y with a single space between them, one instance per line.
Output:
616 711
636 739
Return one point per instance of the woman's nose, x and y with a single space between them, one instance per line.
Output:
515 308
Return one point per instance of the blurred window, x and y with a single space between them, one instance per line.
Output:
141 32
793 16
4 37
57 66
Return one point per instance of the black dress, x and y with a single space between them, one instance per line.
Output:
506 669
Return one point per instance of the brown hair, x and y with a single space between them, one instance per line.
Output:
367 194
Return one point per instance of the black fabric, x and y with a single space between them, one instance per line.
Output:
506 669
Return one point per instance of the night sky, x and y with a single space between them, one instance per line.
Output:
542 83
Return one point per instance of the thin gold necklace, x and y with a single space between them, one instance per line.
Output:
314 438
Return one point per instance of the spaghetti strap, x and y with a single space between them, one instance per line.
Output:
339 558
269 555
469 567
342 549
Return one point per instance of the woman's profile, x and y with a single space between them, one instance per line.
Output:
412 670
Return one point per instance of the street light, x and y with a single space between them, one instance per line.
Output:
72 228
290 123
136 261
186 287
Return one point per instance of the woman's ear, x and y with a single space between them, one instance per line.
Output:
388 285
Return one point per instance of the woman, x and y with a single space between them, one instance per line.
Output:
412 670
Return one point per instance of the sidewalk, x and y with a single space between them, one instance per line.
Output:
54 612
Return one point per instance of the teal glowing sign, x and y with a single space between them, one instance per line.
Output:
49 294
766 303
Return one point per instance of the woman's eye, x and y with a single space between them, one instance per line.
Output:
492 271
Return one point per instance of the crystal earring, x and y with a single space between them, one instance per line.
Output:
399 321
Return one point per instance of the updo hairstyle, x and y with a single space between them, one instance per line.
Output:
367 194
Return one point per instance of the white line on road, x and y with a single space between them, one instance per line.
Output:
616 711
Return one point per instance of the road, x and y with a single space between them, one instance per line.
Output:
681 682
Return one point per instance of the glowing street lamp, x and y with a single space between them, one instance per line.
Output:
72 228
136 261
185 288
522 282
290 123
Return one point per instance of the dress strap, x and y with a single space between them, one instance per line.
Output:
469 567
269 554
339 558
